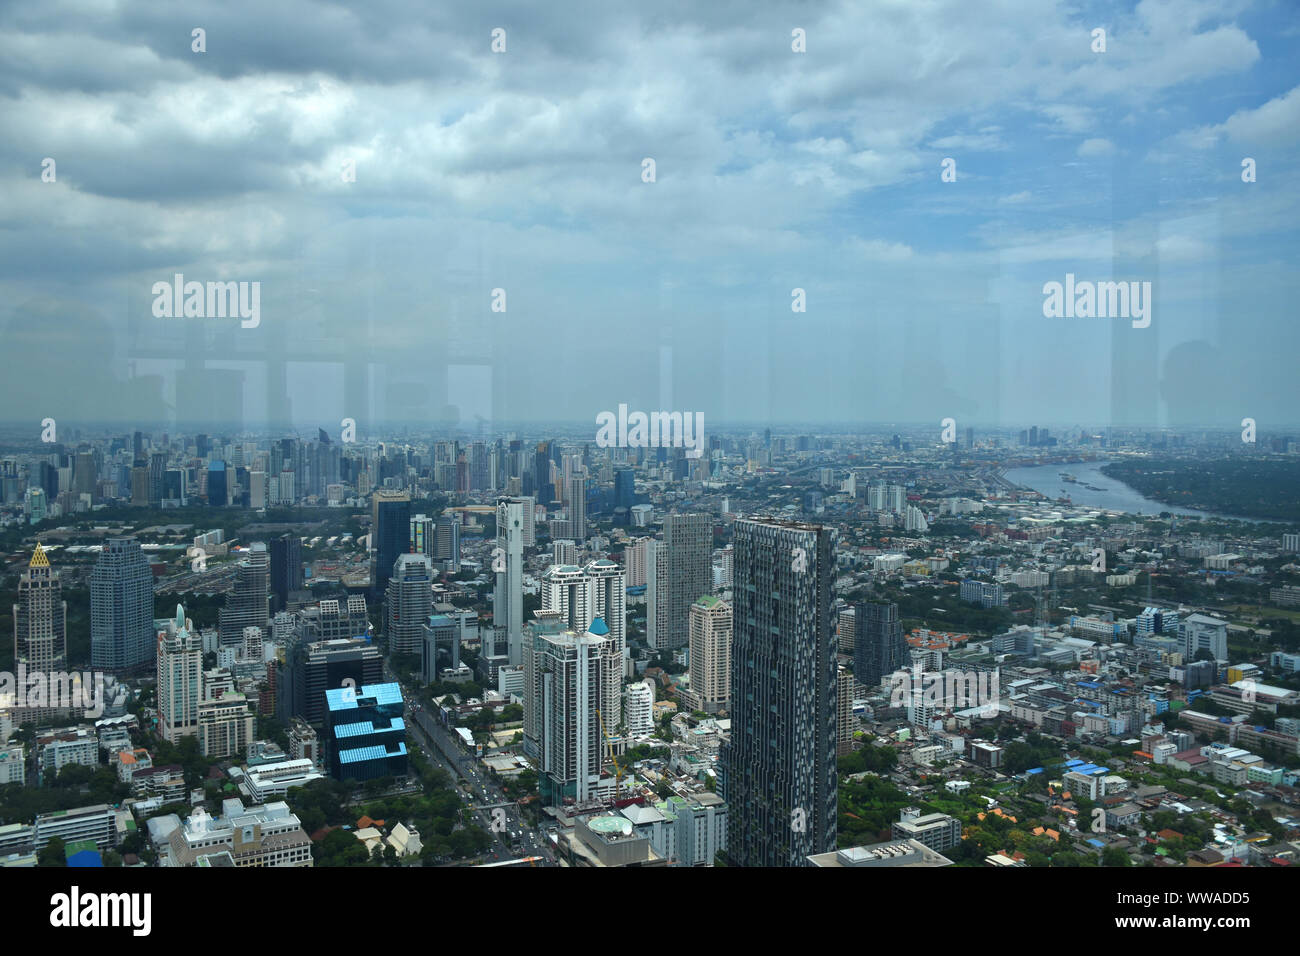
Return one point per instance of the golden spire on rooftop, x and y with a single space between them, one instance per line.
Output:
39 560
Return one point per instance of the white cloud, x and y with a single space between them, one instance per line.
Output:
1094 148
1275 123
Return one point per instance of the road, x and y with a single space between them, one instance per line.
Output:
491 808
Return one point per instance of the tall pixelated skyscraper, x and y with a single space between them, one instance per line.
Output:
778 771
689 541
879 648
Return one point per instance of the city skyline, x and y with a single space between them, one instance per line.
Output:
680 436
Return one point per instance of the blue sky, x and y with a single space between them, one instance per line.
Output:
775 170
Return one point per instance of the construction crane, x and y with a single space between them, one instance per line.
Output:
618 771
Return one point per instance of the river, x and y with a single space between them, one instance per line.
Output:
1114 496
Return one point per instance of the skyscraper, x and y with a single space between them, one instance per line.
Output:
624 488
314 668
366 734
844 722
217 490
879 648
608 589
390 534
563 684
689 540
577 505
446 548
635 556
286 568
37 505
564 589
85 471
583 594
529 510
180 679
408 603
248 602
778 769
508 563
40 626
543 490
422 535
157 471
656 594
122 638
710 653
846 629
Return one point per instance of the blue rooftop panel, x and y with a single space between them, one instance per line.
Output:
362 754
347 698
367 727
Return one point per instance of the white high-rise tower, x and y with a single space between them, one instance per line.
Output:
508 563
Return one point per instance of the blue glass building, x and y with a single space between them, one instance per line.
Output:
367 732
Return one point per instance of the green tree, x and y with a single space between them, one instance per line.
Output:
340 848
1114 856
53 854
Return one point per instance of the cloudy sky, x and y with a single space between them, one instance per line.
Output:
774 170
